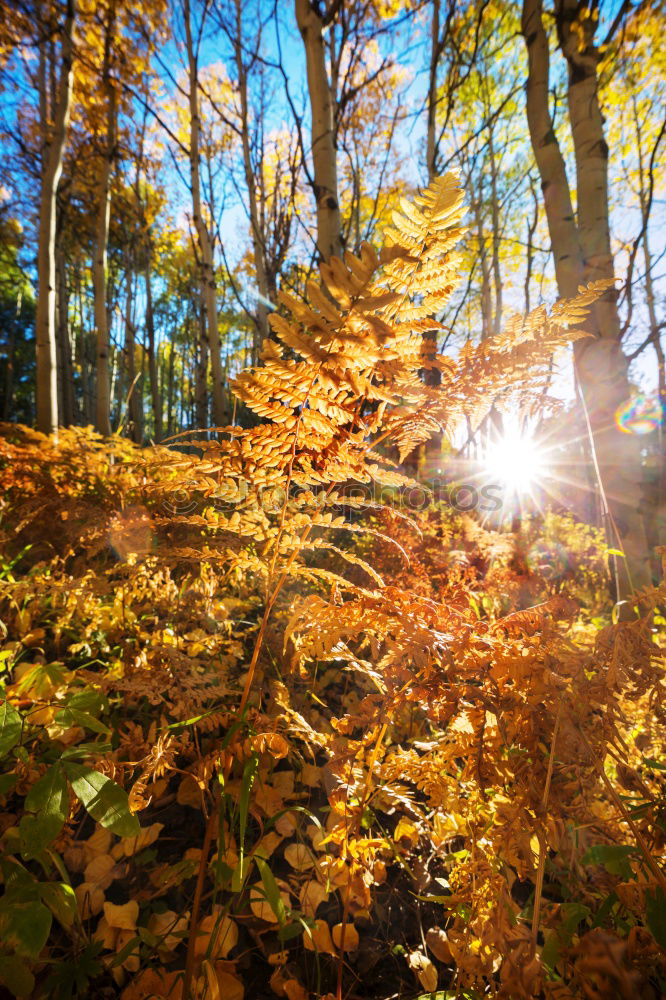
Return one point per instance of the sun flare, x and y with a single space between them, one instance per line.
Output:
516 461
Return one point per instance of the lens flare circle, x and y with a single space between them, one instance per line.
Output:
549 559
640 415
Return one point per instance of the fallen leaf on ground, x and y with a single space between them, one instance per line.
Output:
351 937
124 917
318 938
299 857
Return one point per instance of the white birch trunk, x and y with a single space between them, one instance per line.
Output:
581 251
208 288
324 159
53 141
258 238
99 264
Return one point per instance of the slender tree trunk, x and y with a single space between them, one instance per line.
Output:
494 207
152 360
208 289
531 230
201 372
133 385
324 158
65 367
53 141
581 252
258 236
9 369
486 295
431 137
659 516
103 404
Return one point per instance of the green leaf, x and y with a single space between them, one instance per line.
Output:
11 726
290 931
560 937
655 914
16 976
85 750
49 799
275 900
105 800
74 717
249 774
615 552
41 679
61 901
88 700
124 953
49 794
613 857
654 765
24 927
7 782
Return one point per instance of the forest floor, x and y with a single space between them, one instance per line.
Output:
316 852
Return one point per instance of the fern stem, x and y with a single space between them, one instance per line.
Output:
620 806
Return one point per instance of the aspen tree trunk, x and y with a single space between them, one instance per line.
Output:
99 268
329 228
201 372
133 384
155 399
431 136
258 238
494 207
659 515
208 289
9 370
486 296
65 368
581 251
170 387
53 128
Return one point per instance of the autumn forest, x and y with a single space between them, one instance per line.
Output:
333 509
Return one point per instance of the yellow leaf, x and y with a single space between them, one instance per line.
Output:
425 971
310 776
220 933
90 900
406 830
318 938
124 916
189 793
107 935
99 871
99 842
147 836
350 940
312 894
231 988
299 857
277 981
438 943
284 782
260 905
286 824
271 743
267 845
170 927
152 984
294 991
132 962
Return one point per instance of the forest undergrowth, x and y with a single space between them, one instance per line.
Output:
265 737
